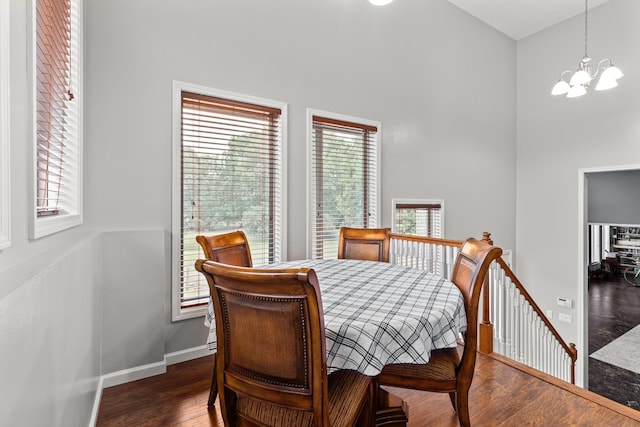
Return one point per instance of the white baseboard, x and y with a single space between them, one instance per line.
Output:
144 371
188 354
96 404
133 374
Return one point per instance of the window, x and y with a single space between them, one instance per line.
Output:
57 107
227 175
344 159
5 230
418 217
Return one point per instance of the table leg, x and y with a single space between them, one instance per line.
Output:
391 410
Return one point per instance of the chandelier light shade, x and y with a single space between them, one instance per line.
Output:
581 79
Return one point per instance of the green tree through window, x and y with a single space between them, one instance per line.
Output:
344 180
231 155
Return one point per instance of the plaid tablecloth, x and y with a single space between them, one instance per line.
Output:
379 313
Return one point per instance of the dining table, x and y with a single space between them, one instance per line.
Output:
379 313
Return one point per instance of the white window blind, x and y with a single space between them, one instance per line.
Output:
418 218
344 183
57 80
54 100
231 179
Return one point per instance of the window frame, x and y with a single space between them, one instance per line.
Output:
71 213
5 94
177 312
311 112
417 202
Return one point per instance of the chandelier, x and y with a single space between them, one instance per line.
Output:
581 79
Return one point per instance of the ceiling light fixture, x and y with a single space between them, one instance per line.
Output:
581 79
380 2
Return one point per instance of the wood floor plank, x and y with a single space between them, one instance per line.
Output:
500 395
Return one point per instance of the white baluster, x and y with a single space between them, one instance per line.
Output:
512 321
531 331
503 315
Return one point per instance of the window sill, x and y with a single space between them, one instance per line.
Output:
189 313
45 226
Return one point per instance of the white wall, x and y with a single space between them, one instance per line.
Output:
614 197
134 276
557 137
441 82
50 338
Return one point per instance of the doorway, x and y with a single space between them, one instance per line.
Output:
611 307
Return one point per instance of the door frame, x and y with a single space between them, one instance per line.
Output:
583 260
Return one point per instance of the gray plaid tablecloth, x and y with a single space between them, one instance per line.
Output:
379 313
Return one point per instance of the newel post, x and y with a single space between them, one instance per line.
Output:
486 328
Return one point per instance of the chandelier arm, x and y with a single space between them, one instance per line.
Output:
563 73
602 61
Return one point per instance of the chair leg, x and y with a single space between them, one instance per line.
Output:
452 396
213 393
462 405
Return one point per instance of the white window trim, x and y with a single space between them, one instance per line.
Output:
5 168
395 202
336 116
73 204
178 313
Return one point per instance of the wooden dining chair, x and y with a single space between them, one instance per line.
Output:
446 371
228 248
369 244
272 368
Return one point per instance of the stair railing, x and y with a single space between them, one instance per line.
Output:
512 323
522 332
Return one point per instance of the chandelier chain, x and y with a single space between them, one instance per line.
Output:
586 23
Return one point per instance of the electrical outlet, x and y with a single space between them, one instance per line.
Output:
565 302
549 314
563 317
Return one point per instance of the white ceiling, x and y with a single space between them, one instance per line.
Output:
521 18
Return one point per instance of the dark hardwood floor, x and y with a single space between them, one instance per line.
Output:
501 394
614 309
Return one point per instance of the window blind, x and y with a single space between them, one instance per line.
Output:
231 161
344 186
55 112
419 219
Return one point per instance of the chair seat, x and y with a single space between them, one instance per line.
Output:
436 374
347 390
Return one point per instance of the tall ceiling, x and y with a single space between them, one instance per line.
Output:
521 18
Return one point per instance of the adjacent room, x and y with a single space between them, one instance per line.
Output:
614 284
433 118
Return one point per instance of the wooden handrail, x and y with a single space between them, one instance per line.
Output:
427 240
